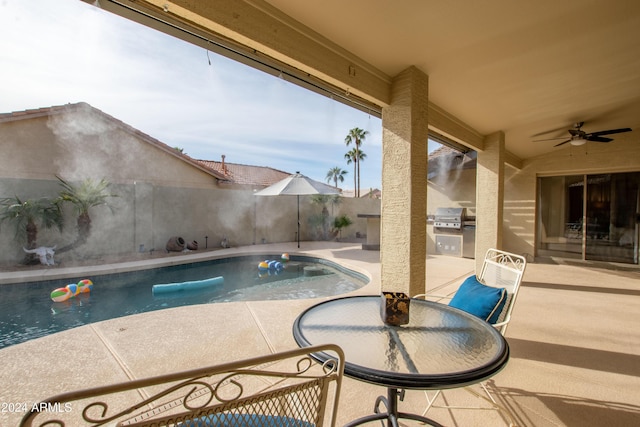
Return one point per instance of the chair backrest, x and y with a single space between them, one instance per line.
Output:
502 269
283 389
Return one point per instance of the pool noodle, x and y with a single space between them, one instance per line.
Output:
187 286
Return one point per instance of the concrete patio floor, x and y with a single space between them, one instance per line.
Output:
574 339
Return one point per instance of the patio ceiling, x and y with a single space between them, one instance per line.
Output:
529 69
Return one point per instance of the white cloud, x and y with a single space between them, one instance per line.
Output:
68 51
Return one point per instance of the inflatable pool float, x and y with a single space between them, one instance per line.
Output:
263 266
85 286
60 294
71 290
187 286
270 266
74 289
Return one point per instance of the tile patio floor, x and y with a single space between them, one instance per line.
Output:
574 339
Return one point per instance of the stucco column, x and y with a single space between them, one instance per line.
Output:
489 196
404 184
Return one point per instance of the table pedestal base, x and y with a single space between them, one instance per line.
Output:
391 414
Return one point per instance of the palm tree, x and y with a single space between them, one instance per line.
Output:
27 214
336 174
323 199
356 136
354 156
323 220
86 195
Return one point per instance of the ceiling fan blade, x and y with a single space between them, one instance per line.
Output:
549 139
609 132
564 142
556 130
598 139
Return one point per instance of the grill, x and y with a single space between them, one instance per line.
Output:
449 219
455 232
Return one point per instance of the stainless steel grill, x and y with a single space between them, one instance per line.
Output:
454 232
449 219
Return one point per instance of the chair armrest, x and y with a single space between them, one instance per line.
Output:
501 326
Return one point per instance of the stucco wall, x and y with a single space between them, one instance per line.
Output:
159 195
163 212
621 155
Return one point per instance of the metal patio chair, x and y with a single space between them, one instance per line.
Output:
500 270
279 390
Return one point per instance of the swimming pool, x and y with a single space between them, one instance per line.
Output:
27 312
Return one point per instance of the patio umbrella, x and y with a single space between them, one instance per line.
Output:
297 185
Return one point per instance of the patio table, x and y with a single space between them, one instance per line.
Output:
440 348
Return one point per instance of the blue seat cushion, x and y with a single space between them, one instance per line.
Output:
482 301
245 420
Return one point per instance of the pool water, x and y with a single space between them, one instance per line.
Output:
27 312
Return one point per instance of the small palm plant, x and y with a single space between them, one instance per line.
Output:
341 222
323 220
84 196
27 214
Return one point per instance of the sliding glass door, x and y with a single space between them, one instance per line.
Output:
591 217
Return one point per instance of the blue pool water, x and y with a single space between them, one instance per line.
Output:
27 312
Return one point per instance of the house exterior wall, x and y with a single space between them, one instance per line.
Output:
158 194
81 144
622 155
457 187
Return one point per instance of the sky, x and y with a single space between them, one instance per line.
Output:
67 51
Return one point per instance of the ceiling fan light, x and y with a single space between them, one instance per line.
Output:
578 141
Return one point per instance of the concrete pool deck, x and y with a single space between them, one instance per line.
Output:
574 339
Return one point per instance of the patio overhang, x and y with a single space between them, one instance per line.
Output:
260 36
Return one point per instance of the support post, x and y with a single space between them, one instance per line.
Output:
489 196
404 184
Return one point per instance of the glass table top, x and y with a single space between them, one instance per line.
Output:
440 347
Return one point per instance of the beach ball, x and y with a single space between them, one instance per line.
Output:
263 266
60 295
85 285
285 257
73 289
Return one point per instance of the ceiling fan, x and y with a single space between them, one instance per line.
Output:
580 137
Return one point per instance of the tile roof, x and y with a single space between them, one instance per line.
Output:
372 193
445 154
246 174
445 159
443 150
